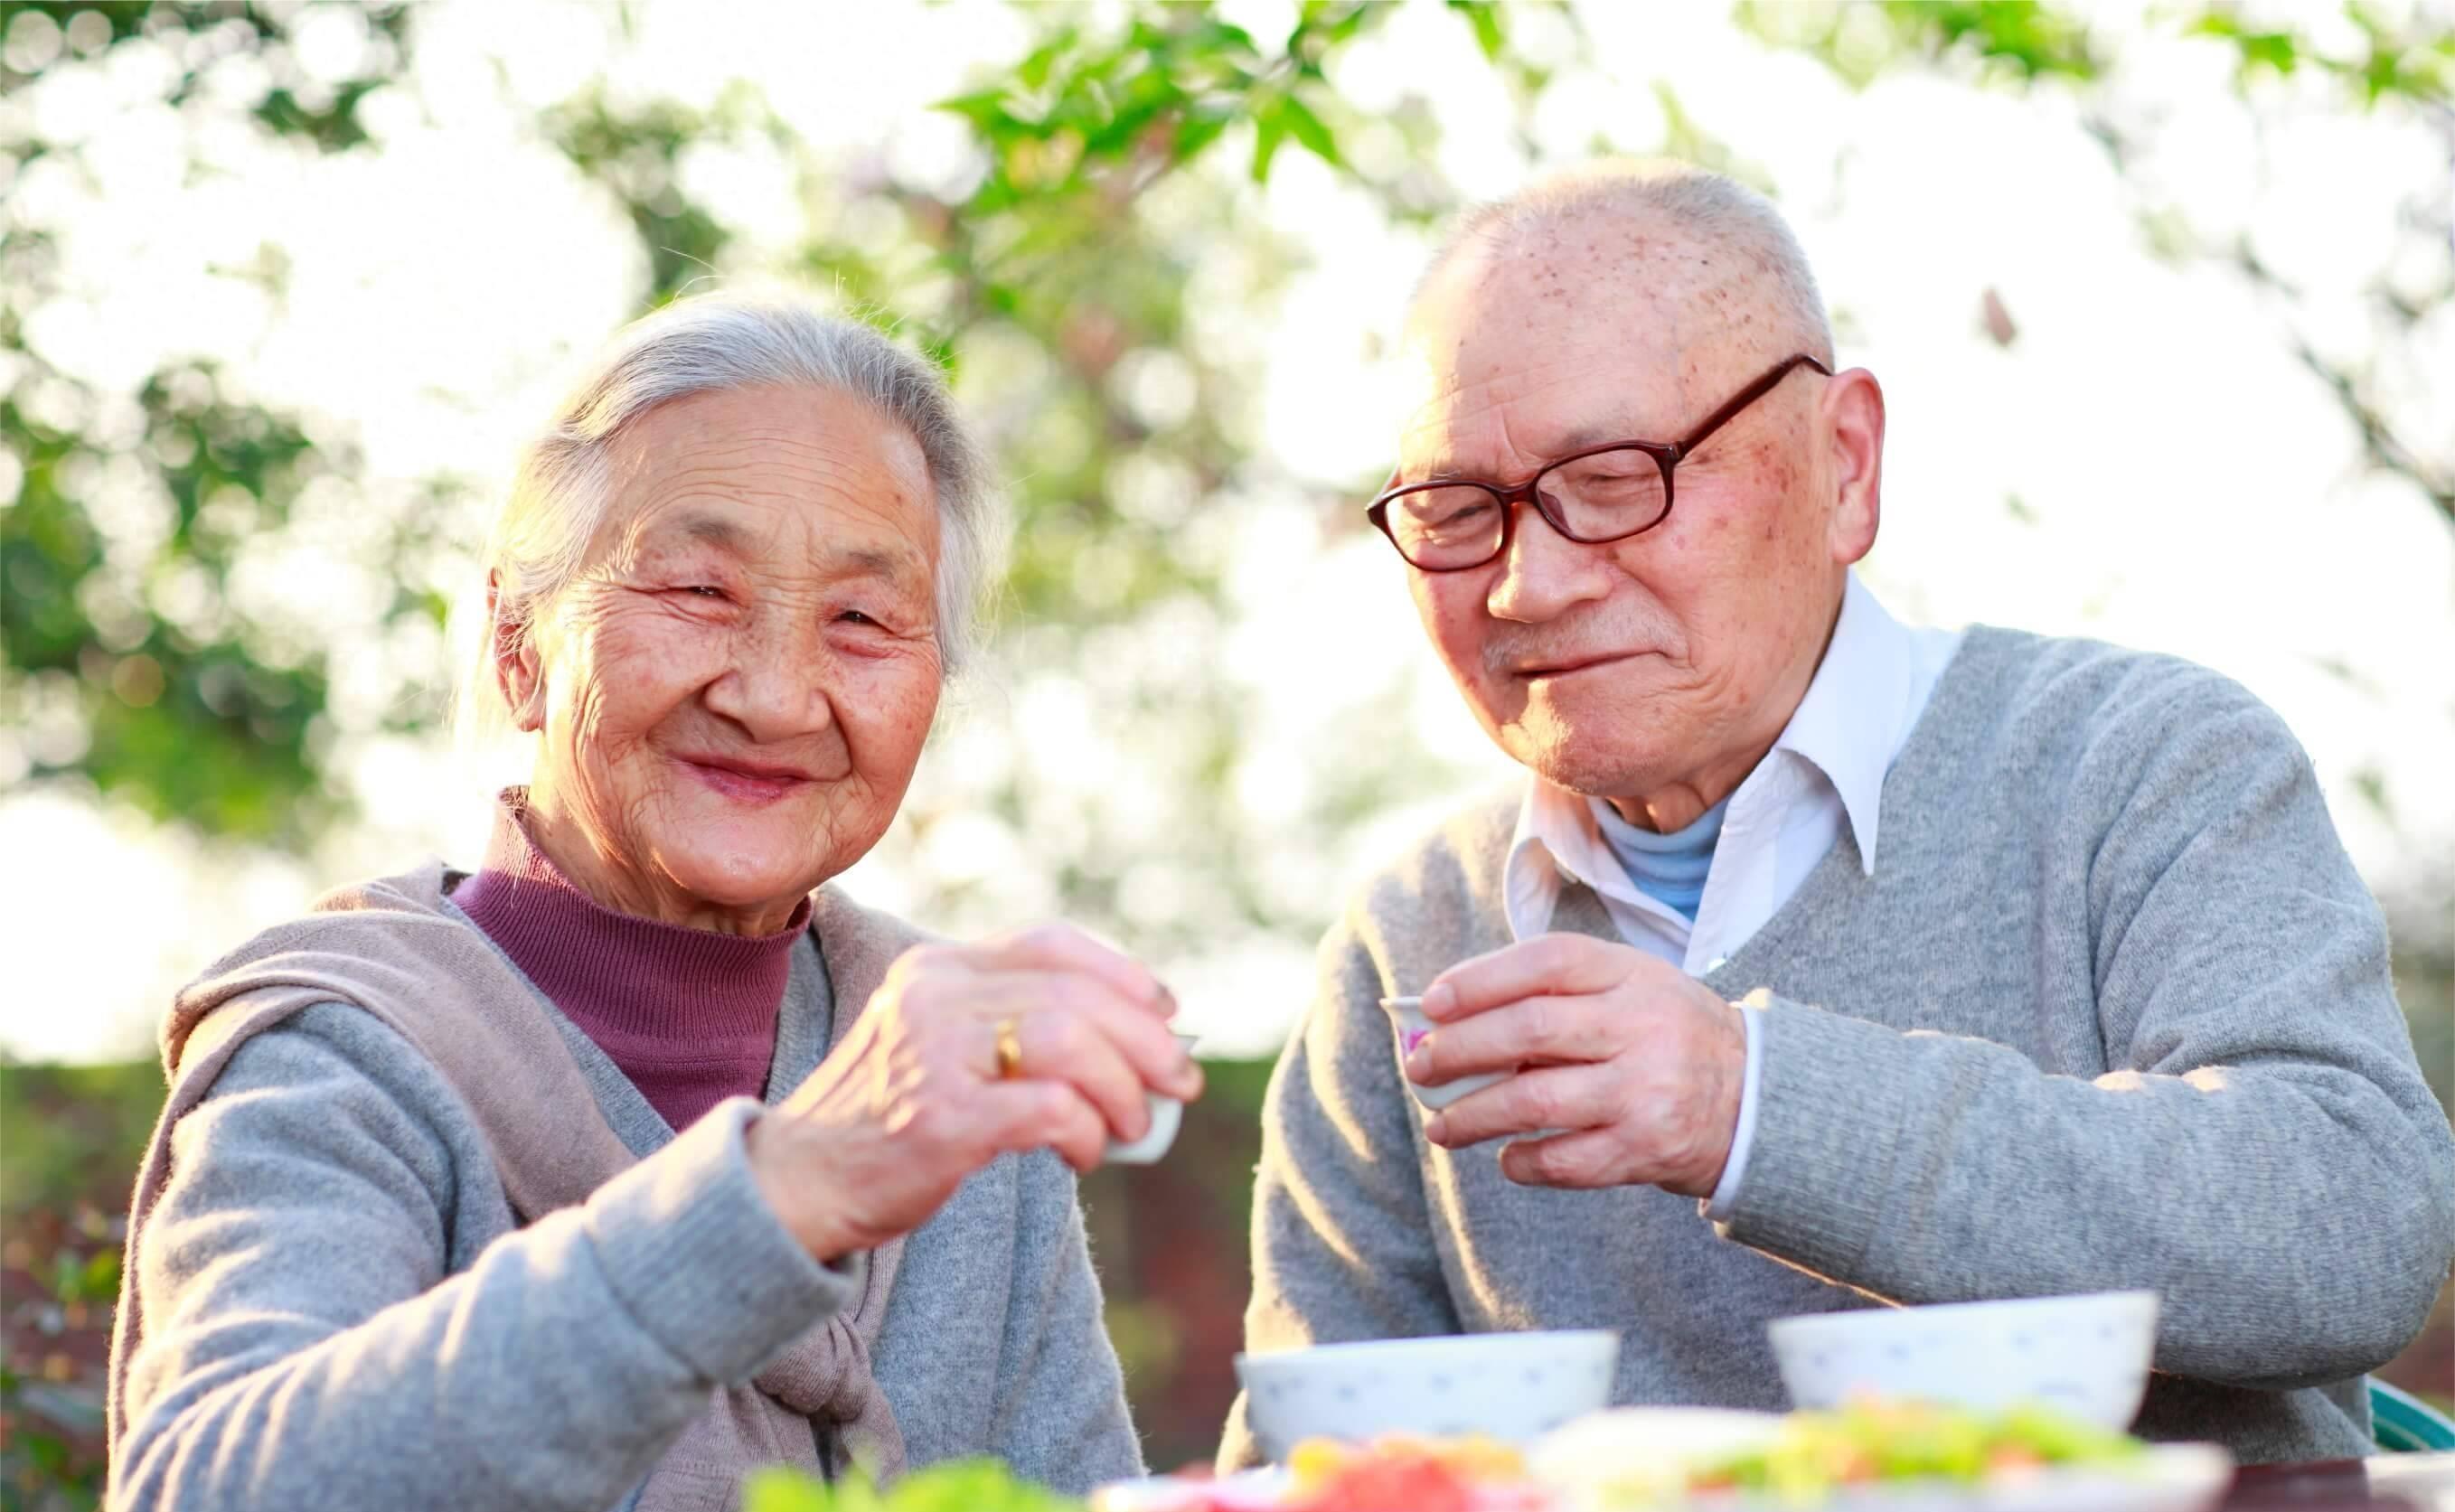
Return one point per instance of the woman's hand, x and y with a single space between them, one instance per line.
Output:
895 1118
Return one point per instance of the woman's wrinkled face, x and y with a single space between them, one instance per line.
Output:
734 692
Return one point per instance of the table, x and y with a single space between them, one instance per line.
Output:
2390 1483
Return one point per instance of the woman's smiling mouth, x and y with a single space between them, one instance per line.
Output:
746 781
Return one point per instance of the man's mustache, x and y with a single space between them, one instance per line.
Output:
1556 648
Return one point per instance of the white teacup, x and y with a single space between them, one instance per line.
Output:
1407 1017
1166 1116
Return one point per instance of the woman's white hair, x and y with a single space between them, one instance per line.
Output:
1714 209
709 344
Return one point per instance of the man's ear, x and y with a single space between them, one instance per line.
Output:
518 674
1854 424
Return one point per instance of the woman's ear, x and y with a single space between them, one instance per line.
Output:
518 674
1854 423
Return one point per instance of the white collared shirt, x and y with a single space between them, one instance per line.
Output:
1827 770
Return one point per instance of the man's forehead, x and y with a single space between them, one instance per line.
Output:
1516 353
1519 417
1488 397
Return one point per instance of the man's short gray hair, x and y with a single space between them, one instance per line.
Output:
1705 205
709 344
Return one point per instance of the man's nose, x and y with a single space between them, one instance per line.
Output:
1543 573
776 687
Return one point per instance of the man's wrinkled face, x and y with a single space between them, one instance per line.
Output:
734 694
1620 669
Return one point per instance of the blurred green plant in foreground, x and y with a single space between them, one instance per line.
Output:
970 1485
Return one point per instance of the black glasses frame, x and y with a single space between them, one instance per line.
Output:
1666 454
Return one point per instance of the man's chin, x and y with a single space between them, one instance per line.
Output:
1592 767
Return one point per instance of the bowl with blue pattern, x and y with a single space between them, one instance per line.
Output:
2086 1355
1514 1387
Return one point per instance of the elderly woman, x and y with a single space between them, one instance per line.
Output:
418 1229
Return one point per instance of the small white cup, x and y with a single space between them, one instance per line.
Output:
1406 1018
1166 1116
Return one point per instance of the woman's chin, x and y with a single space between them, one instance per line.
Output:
739 878
743 861
744 894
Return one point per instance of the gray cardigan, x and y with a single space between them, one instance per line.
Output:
340 1306
2112 1011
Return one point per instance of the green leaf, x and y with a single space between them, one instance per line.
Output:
1485 18
1269 130
985 108
1215 35
2275 49
1335 22
1036 66
1197 131
963 1485
1310 131
99 1280
2279 50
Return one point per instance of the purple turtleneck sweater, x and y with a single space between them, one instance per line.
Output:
689 1014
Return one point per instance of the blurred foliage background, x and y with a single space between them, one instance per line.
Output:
1091 275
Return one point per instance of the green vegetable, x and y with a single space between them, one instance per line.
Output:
2059 1440
1815 1452
966 1485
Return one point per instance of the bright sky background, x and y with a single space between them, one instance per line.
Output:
2193 490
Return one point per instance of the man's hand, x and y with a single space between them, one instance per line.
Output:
1633 1065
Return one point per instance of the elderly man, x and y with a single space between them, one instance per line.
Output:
2050 973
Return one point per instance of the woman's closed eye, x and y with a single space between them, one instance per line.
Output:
876 631
699 602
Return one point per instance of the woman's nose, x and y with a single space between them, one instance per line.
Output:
776 686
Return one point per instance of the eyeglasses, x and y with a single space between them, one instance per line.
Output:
1606 493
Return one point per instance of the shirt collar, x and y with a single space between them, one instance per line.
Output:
1552 823
1850 723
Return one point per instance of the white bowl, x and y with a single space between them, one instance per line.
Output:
1406 1018
2085 1355
1514 1387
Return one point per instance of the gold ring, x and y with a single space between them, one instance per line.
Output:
1009 1050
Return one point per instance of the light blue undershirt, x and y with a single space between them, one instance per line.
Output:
1669 868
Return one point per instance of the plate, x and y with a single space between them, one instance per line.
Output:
1257 1489
2169 1478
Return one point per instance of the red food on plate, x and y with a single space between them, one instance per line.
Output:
1392 1484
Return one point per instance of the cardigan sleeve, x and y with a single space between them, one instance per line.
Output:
305 1346
2263 1153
